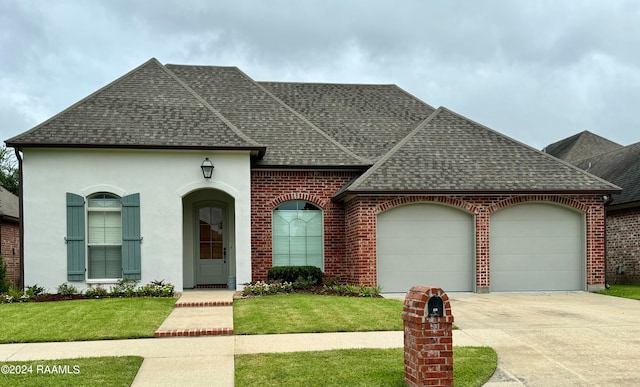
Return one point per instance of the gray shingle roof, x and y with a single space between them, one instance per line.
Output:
621 167
450 153
368 119
308 125
148 107
9 204
291 139
581 146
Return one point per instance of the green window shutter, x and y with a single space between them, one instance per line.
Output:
131 238
75 238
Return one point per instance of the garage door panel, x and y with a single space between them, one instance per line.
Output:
522 262
413 229
535 229
430 246
420 263
425 244
555 280
425 211
517 245
402 280
536 246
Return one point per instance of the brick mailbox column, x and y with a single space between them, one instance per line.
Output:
428 341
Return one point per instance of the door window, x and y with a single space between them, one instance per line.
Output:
210 230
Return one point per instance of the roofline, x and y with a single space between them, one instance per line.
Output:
355 168
480 192
623 206
9 218
260 150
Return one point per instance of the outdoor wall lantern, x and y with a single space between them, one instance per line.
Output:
207 168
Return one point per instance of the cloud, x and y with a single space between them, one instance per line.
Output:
537 71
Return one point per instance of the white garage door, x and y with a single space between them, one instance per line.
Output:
427 245
536 246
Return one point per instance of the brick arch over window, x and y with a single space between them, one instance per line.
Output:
560 200
299 196
444 200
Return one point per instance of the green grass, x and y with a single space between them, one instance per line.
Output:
626 291
309 313
113 318
95 371
473 366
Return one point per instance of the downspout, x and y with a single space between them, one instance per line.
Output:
20 216
607 201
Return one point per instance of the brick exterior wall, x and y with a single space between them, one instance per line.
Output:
270 188
10 250
623 246
361 230
350 229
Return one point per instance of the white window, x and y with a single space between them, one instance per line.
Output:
297 234
104 236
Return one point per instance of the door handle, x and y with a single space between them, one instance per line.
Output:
224 255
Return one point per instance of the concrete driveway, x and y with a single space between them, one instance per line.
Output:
553 339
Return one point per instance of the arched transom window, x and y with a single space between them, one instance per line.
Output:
297 234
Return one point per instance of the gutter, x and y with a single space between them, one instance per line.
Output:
340 195
609 199
20 216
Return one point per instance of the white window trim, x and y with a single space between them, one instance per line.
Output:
89 209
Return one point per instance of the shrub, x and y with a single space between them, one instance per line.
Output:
14 294
352 290
260 288
35 290
293 273
97 291
302 283
125 287
157 289
67 290
4 286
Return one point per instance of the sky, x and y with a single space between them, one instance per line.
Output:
536 71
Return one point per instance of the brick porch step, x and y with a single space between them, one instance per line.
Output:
194 332
192 304
200 313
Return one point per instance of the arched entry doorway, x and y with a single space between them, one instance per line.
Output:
208 239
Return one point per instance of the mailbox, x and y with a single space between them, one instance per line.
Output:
435 307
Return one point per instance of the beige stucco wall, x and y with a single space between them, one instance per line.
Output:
162 178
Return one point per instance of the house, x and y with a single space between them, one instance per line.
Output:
201 176
10 236
621 166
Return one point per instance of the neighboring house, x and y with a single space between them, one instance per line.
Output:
364 181
10 236
621 166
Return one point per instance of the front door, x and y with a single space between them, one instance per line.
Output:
211 250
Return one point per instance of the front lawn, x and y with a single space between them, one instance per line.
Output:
625 291
112 318
309 313
473 366
90 371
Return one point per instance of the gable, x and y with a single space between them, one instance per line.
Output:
291 138
621 167
581 146
450 153
146 108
